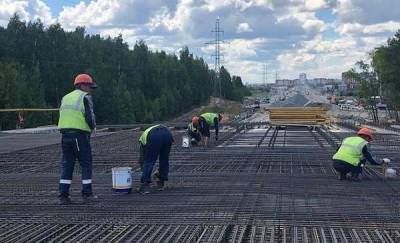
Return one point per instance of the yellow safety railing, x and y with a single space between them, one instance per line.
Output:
28 109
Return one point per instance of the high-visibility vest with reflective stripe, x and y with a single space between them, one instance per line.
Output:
192 128
209 117
351 150
143 137
72 112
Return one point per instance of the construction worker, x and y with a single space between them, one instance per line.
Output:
76 122
155 141
206 121
193 131
353 154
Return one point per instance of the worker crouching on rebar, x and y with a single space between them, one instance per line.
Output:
193 131
155 141
76 123
206 121
353 154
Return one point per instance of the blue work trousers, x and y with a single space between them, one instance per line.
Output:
158 145
343 168
76 146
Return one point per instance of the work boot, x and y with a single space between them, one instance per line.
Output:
160 185
144 188
89 198
63 200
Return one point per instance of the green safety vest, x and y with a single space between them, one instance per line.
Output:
351 150
72 112
192 128
143 137
209 117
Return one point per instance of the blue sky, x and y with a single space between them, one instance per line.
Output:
322 38
56 6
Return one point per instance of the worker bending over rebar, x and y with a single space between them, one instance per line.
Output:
206 121
193 131
155 141
353 154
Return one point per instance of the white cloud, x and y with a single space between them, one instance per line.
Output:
26 10
358 29
298 60
253 70
95 13
244 27
367 12
313 5
242 48
307 20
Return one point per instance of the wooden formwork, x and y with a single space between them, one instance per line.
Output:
297 115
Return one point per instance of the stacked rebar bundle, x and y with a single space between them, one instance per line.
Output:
297 115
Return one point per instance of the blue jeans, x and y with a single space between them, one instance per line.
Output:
76 145
158 145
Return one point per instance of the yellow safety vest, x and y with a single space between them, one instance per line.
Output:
72 112
192 128
351 150
209 117
143 137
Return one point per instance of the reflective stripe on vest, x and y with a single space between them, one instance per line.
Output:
192 128
72 112
209 117
351 150
143 137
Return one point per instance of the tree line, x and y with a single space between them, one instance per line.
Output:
381 76
38 65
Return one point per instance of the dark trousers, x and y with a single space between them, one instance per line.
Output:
204 128
76 146
343 168
194 135
158 145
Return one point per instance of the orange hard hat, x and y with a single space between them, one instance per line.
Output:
195 120
84 79
366 132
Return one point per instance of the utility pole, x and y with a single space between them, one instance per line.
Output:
217 56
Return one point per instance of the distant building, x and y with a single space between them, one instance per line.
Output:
351 84
284 82
325 81
302 78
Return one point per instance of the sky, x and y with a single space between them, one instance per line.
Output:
321 38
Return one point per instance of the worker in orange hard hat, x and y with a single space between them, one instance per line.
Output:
193 131
353 154
76 123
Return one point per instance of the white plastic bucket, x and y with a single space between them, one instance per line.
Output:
185 141
390 173
122 179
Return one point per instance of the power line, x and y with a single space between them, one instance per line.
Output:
217 54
